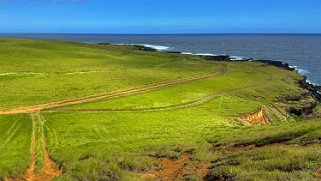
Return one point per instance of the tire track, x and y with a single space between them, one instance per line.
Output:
10 133
49 170
13 133
30 172
11 127
52 132
171 107
36 108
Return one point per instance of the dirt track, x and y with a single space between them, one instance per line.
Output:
177 106
36 108
49 170
164 108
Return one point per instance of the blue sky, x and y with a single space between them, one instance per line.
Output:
160 16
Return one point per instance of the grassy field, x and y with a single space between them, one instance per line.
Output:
74 70
153 115
15 136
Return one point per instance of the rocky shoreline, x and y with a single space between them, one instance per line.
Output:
315 90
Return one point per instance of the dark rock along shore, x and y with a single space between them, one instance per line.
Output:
314 90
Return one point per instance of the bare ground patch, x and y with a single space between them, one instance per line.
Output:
256 118
171 169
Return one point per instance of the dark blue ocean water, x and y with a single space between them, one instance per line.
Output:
301 51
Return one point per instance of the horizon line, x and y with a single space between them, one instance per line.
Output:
75 33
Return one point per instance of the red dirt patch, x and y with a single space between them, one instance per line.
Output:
256 118
170 169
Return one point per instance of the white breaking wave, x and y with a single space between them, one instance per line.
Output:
205 54
187 53
236 58
293 66
300 71
156 47
200 54
303 72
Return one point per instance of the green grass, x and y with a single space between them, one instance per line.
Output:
15 136
180 94
92 141
288 151
74 70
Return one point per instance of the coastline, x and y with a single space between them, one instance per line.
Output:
303 55
315 90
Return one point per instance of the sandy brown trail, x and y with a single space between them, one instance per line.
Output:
171 107
196 102
35 108
155 109
50 169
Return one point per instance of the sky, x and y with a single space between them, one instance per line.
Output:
160 16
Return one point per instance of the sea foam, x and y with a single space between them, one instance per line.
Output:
156 47
236 58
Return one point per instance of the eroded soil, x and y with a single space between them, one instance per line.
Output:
170 169
256 118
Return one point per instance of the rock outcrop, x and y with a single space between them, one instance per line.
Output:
216 57
276 63
313 89
301 104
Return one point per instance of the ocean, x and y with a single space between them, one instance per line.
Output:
302 51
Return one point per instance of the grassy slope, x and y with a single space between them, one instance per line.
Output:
116 145
74 70
288 151
132 136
